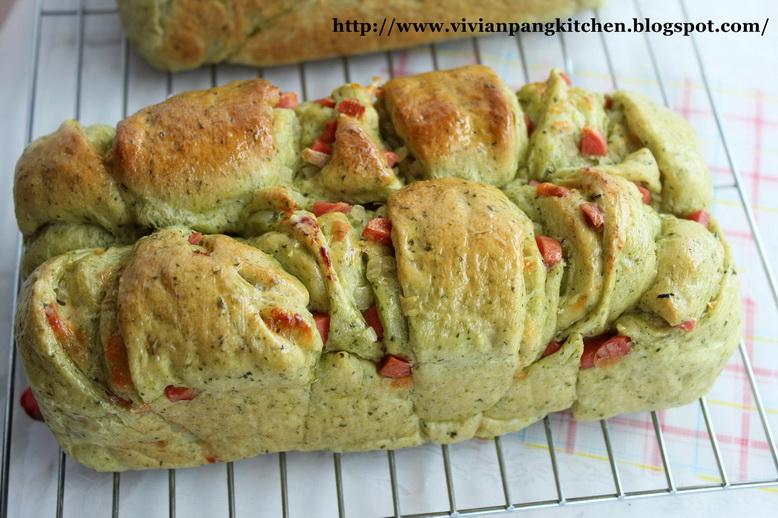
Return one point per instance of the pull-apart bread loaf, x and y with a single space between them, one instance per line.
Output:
434 259
185 34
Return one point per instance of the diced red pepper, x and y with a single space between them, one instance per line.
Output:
287 100
391 158
378 230
373 319
566 78
323 207
321 147
69 337
593 214
195 238
176 394
550 189
590 348
644 193
687 326
351 107
60 329
613 348
550 250
327 102
593 142
552 347
394 367
211 459
700 216
118 363
608 102
322 325
603 350
328 133
30 405
530 125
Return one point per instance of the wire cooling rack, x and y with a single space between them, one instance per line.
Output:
386 471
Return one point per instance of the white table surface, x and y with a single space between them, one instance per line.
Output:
744 73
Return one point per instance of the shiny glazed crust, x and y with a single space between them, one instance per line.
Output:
197 144
459 123
198 150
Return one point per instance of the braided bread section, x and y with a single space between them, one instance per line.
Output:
200 158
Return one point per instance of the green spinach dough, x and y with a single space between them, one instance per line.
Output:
232 272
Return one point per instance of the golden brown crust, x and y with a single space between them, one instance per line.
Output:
203 28
183 34
461 122
62 177
358 168
199 147
288 40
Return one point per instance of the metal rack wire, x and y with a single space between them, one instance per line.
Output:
509 503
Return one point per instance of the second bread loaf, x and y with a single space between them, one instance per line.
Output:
184 34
